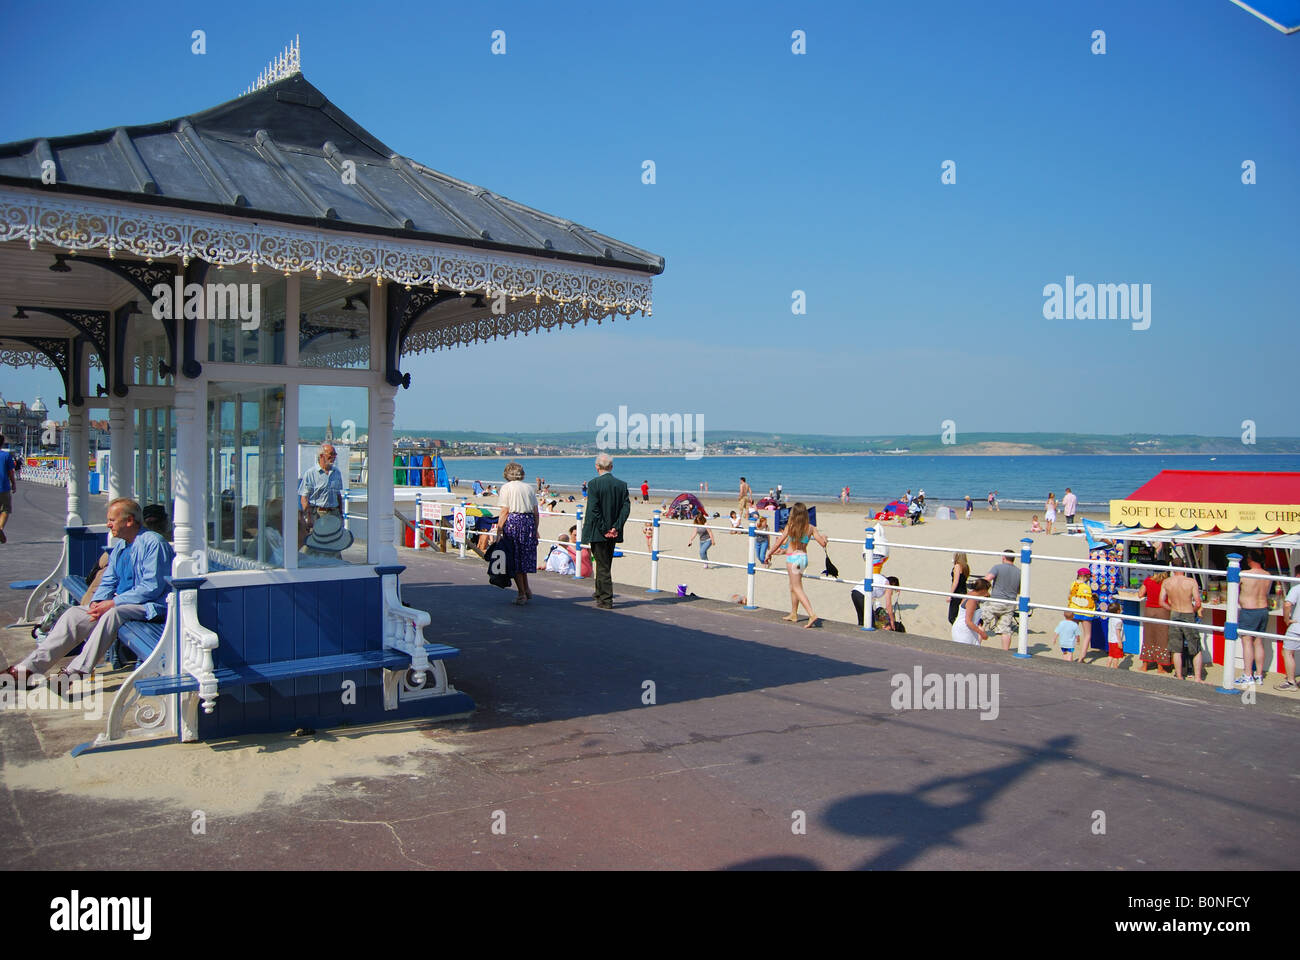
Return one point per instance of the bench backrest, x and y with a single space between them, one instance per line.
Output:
84 549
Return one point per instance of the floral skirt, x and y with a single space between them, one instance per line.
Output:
521 530
1155 638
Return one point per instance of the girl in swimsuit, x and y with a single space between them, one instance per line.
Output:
798 531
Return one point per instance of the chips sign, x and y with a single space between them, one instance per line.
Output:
1247 517
458 525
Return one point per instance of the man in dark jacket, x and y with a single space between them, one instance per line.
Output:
607 508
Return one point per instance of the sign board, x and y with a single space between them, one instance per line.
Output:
434 511
1248 517
458 525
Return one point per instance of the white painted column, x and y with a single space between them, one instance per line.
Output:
78 481
381 527
121 465
189 526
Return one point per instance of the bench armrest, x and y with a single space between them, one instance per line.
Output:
404 626
197 644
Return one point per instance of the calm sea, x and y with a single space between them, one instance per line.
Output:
1021 482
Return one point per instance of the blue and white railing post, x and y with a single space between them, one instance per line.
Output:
654 555
419 521
1026 557
346 495
749 569
577 546
868 579
1230 626
464 507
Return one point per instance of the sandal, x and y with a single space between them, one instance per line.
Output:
1284 685
521 600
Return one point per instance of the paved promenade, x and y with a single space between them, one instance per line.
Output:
756 728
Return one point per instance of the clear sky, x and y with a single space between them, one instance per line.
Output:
819 172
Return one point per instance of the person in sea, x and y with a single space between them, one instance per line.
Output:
1155 636
518 524
967 628
798 533
705 535
1081 603
960 574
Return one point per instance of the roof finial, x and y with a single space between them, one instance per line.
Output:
285 65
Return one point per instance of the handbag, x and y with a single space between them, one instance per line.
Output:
831 570
500 558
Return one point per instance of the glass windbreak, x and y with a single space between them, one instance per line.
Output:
152 354
245 506
334 324
333 475
245 312
155 456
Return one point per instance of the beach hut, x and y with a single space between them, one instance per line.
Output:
214 269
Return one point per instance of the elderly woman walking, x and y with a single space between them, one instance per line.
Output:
518 524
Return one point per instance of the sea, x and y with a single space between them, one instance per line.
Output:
1021 482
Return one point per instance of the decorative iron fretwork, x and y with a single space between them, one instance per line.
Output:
404 308
91 324
82 224
285 65
63 355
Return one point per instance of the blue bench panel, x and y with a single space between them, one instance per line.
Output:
84 549
76 587
315 667
141 636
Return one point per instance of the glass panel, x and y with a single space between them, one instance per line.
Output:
337 417
334 324
152 349
155 456
245 503
234 294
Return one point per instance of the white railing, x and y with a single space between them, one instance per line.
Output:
49 476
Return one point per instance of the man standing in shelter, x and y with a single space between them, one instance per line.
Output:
1000 611
8 480
1254 618
1182 598
319 491
608 506
134 587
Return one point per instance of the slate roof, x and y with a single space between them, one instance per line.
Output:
279 153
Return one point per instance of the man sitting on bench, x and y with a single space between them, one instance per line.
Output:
133 587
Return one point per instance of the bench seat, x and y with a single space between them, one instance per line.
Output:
140 636
76 587
288 669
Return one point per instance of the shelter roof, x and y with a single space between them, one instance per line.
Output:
284 152
1221 486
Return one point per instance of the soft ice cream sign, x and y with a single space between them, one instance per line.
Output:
1247 517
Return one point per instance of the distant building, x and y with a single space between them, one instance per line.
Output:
21 424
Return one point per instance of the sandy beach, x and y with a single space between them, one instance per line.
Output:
927 569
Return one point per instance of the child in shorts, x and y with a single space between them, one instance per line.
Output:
1082 604
1067 632
1114 636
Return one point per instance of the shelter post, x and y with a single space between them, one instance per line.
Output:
188 537
381 525
121 480
1229 626
463 504
78 482
1026 557
654 555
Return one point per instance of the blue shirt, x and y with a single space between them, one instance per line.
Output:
1067 631
137 573
322 488
6 465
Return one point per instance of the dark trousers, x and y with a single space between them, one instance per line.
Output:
602 561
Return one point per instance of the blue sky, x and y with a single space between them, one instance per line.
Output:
819 172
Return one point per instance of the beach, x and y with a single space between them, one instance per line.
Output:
927 569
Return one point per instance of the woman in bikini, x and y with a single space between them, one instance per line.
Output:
797 533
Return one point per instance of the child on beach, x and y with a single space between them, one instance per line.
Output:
735 524
1114 636
649 531
1082 603
1035 527
798 532
1067 632
970 506
761 538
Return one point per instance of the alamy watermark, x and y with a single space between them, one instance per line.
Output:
61 693
946 691
1101 301
658 431
209 301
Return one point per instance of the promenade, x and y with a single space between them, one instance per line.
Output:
754 722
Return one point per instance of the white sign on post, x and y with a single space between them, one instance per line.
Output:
458 525
435 511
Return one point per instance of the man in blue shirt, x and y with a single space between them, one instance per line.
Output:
320 490
134 587
8 480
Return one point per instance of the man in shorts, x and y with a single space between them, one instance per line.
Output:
1000 611
1069 506
8 480
1182 598
1253 618
1292 642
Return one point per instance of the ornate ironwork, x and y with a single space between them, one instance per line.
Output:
63 355
92 324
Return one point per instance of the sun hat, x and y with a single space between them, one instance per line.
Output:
1082 570
328 534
